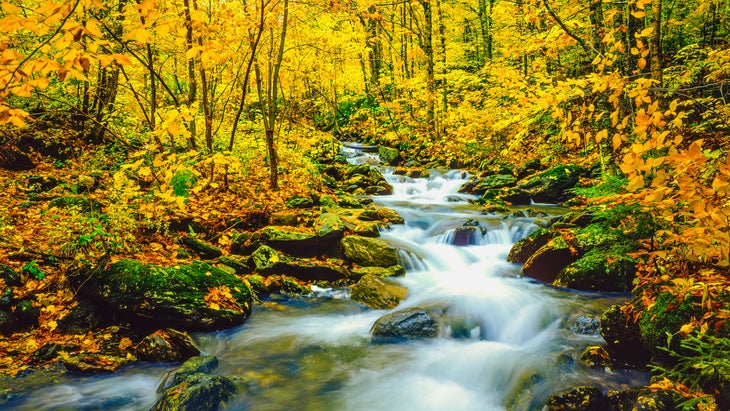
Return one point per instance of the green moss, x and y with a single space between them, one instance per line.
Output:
598 271
665 318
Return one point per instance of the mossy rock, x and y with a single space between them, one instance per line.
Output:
553 185
330 226
394 271
596 357
94 363
266 260
313 270
11 277
167 345
167 296
301 244
597 271
197 392
583 398
523 249
239 266
597 236
388 215
622 337
347 201
244 242
666 316
546 262
378 293
300 201
203 249
389 156
367 251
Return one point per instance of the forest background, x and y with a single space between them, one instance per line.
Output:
220 109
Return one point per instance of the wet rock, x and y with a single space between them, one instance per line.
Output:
300 202
598 271
203 249
367 179
586 325
369 214
349 202
267 260
552 186
409 324
203 364
480 185
378 293
244 242
167 345
155 296
596 357
526 247
367 251
467 235
389 156
546 263
622 337
394 271
583 398
197 392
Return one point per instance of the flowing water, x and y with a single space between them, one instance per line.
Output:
506 342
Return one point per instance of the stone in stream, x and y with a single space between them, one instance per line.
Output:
167 345
378 293
369 251
191 387
389 156
597 271
160 297
408 324
546 262
523 249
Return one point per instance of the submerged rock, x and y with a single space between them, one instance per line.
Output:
409 324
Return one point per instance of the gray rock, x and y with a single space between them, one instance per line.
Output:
408 324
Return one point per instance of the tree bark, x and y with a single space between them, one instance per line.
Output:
656 42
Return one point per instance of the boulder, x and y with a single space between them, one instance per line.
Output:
291 241
300 201
394 271
244 242
583 398
239 266
367 251
167 345
408 324
197 392
667 316
523 249
622 337
547 262
378 293
266 260
389 156
596 357
330 226
159 297
598 271
284 218
552 186
313 270
529 168
203 249
388 215
586 325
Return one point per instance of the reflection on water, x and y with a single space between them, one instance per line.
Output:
506 342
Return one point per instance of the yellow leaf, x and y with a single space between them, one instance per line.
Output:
635 183
646 32
616 141
601 135
642 63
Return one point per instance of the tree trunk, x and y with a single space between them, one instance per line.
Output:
656 42
192 84
442 46
427 46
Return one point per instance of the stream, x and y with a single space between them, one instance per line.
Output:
508 342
